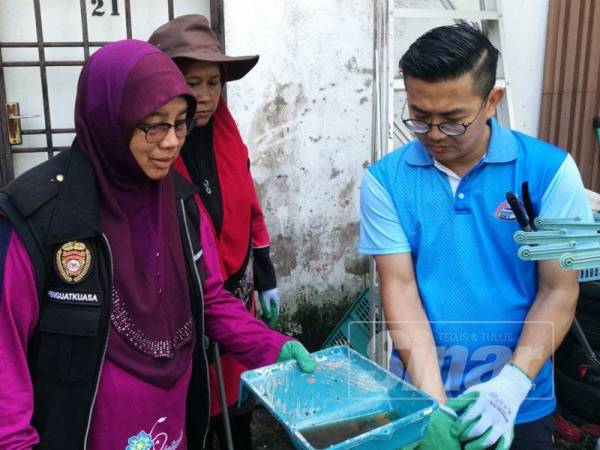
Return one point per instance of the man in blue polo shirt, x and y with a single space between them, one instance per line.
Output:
468 318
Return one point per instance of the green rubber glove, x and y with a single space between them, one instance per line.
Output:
295 350
438 434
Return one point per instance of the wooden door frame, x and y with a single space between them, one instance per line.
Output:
6 162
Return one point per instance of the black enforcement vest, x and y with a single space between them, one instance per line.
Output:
51 207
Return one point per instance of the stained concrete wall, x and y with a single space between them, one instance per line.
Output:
305 113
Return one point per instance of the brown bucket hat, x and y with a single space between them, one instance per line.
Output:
190 36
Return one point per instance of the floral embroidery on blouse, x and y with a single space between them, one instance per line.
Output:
152 441
142 441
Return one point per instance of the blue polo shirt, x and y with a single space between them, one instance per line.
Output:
476 292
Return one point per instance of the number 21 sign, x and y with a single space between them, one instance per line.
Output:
99 10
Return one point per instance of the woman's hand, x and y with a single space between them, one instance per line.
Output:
295 350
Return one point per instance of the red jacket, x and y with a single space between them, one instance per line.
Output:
243 225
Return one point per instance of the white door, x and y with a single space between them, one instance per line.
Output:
43 45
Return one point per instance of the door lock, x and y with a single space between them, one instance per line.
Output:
14 123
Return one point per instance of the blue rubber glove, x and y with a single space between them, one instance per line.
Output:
270 304
295 350
487 410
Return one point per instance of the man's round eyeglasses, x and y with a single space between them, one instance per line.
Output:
157 132
449 128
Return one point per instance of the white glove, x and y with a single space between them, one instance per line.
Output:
489 409
270 304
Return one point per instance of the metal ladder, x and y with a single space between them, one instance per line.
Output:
489 16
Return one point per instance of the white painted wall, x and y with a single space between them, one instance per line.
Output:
525 41
305 113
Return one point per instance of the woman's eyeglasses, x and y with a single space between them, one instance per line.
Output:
157 132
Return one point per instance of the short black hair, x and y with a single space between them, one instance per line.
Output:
448 52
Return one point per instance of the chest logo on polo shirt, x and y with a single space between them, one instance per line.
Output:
73 260
505 212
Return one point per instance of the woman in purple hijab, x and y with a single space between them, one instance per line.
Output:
109 277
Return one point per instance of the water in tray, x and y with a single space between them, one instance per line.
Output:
333 433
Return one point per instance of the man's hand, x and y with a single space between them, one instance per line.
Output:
295 350
488 410
270 304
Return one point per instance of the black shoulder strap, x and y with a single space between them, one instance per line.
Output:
30 240
5 233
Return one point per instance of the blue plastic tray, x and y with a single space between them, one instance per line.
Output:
344 388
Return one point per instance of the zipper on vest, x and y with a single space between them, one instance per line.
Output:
199 283
87 430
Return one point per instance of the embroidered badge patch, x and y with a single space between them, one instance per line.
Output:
73 260
504 212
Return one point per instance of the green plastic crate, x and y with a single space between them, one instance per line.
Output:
353 328
592 274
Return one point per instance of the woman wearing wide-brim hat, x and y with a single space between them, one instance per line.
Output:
215 159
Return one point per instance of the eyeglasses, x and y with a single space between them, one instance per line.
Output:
157 132
449 128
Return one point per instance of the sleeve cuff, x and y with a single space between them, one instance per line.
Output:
264 270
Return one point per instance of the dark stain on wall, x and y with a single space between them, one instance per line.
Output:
352 66
312 251
284 254
317 313
357 265
278 119
347 193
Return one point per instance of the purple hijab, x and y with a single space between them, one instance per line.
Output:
151 333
